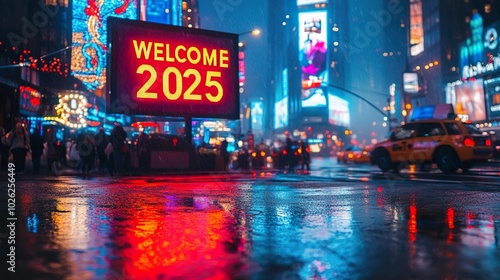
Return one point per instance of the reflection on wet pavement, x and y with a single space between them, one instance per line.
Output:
138 229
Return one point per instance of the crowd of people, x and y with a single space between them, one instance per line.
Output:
86 150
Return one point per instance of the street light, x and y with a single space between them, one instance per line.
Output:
255 32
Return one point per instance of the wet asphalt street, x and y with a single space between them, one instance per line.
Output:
252 226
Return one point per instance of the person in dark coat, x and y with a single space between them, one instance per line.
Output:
101 141
224 153
143 151
118 136
86 148
36 142
52 149
306 156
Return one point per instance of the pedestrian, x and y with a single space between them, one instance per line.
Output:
305 156
109 153
86 149
52 150
143 151
289 156
120 149
101 141
19 142
4 150
37 146
224 153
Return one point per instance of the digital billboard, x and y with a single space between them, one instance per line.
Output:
410 83
30 99
88 53
281 113
313 55
470 103
257 113
492 88
310 2
338 111
172 71
416 28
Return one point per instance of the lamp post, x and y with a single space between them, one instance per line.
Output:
244 101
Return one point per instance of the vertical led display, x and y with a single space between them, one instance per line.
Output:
470 103
338 111
313 54
416 28
88 58
257 112
281 113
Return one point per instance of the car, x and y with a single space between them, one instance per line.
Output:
449 143
354 154
494 133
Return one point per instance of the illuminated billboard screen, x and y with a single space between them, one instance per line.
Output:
310 2
30 99
281 113
416 28
470 103
257 112
493 97
410 83
338 111
88 53
165 70
312 55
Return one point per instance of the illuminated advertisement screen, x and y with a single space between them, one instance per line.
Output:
310 2
470 100
338 111
88 54
281 113
492 88
165 70
30 99
416 28
410 83
257 112
312 55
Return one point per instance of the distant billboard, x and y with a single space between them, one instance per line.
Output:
470 101
416 28
310 2
172 71
410 83
257 113
281 113
492 88
30 100
313 54
338 111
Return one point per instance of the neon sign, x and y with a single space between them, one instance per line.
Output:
173 71
88 58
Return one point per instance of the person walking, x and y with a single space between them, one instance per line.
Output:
36 143
143 151
224 153
305 156
19 146
118 136
52 150
86 149
101 141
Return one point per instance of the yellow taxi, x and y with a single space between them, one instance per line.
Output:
449 143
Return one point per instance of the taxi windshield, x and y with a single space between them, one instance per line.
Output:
471 129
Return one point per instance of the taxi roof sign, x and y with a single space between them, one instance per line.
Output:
439 111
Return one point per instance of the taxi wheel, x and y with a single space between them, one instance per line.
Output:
383 160
447 160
